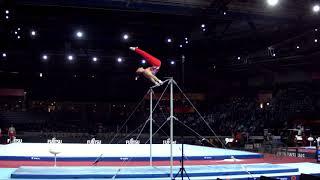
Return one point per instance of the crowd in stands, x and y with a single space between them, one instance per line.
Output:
249 115
240 114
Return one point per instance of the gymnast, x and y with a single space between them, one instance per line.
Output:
149 72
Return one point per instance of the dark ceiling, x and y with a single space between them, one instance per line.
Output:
234 28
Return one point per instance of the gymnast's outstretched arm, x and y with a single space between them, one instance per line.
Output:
148 74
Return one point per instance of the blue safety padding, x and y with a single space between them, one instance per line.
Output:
146 172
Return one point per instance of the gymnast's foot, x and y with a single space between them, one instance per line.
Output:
133 48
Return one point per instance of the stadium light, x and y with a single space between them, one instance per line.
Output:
79 34
125 36
261 105
70 57
316 8
33 33
272 2
44 57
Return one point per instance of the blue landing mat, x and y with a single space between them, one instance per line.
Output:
146 171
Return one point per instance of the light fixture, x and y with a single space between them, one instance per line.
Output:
316 8
19 29
79 34
7 17
15 32
172 62
203 25
125 36
7 11
239 57
94 59
272 2
181 45
70 57
143 61
40 74
187 42
224 13
316 29
186 38
119 59
4 55
44 57
169 40
298 47
274 54
203 29
18 37
315 40
33 33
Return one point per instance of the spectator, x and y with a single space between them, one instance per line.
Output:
11 133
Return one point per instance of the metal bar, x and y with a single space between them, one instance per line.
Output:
183 59
155 86
171 128
150 119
